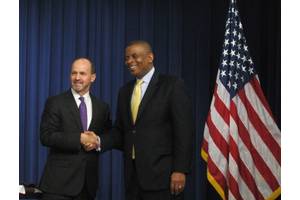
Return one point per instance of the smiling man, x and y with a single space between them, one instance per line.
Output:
70 125
154 128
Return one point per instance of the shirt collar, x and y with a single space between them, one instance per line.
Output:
148 76
76 95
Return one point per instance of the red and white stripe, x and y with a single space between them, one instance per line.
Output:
242 144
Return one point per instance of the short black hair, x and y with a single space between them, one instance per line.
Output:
141 42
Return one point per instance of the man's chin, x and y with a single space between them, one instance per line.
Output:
78 90
133 73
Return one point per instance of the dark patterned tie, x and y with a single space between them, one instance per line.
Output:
83 113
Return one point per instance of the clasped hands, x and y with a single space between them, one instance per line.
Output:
89 140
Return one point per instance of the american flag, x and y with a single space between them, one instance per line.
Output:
241 139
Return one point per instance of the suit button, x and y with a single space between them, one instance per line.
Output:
133 131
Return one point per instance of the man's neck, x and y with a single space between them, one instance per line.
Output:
145 73
80 93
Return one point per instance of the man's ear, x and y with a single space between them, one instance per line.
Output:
93 77
151 57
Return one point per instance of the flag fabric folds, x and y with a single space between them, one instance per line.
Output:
241 142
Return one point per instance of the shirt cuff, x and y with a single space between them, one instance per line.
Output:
99 144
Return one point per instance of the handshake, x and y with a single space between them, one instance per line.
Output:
89 140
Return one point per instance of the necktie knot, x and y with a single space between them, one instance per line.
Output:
81 99
139 81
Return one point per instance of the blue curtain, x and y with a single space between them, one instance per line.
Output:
186 36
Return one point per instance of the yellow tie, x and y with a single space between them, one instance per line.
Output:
136 99
135 103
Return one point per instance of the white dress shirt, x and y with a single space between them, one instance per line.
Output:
146 80
88 103
89 108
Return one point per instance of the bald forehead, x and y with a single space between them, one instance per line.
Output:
84 61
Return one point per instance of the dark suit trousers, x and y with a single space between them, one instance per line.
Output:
83 195
135 192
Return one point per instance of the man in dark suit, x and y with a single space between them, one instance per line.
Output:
70 125
154 127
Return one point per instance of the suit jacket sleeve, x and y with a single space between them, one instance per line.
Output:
51 130
115 137
108 122
183 127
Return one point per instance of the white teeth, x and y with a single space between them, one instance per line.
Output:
132 67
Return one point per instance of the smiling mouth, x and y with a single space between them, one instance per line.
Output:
132 67
77 84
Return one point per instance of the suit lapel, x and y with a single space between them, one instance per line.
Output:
129 92
94 111
73 108
148 94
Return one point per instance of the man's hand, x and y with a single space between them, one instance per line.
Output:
177 182
89 140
